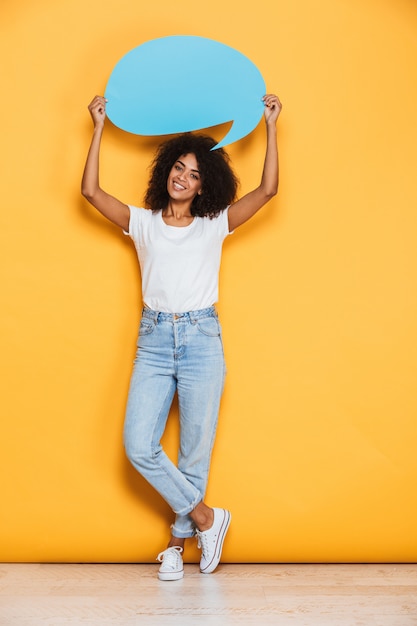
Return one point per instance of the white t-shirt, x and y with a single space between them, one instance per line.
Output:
179 265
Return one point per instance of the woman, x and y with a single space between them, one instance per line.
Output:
190 209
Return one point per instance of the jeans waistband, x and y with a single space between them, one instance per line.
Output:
189 316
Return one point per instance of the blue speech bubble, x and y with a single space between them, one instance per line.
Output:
184 83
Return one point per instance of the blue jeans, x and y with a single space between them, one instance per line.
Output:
176 352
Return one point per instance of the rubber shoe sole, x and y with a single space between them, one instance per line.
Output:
170 575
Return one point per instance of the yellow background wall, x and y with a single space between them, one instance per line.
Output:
316 450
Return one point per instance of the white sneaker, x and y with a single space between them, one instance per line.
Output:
172 567
211 541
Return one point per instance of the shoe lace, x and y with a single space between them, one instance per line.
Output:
170 556
202 542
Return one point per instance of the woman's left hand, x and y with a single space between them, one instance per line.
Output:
273 108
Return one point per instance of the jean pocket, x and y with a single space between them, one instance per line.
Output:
209 326
146 327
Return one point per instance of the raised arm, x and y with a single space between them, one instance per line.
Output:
242 210
116 211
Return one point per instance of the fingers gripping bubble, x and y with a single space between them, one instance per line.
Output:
184 83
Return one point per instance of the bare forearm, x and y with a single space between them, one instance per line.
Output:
270 173
90 185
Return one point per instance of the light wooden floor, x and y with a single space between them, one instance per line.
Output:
258 595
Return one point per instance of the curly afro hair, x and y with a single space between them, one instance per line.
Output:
219 183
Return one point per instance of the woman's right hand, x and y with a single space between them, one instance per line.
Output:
97 108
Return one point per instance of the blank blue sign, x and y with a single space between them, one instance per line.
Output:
184 83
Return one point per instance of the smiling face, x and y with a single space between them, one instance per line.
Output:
184 179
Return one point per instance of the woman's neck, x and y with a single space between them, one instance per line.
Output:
177 210
177 214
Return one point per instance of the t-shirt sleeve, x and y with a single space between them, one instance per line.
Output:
134 222
225 223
